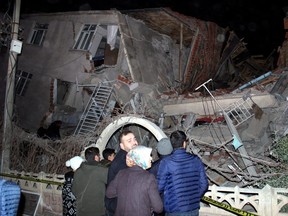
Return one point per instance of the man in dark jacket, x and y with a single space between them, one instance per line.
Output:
127 141
182 179
89 185
108 156
164 148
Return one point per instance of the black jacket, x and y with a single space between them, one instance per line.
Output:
117 164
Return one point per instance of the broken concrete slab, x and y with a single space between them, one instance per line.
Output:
256 127
185 106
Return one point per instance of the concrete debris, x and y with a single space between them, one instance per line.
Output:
160 58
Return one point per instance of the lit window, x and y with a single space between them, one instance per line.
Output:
38 34
22 80
85 37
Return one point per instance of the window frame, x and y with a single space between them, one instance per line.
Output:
85 37
22 80
38 34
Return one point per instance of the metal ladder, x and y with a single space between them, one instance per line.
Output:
94 109
240 111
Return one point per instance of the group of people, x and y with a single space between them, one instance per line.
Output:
129 184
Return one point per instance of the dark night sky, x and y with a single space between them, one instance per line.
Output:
260 23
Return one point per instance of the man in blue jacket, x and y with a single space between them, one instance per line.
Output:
182 179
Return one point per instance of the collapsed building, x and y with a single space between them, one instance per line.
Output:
90 68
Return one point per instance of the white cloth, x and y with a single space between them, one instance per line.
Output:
112 35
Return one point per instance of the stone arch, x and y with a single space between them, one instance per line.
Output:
126 120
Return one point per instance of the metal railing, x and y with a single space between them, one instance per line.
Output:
268 201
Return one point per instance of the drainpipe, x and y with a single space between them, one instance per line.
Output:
180 52
252 82
9 97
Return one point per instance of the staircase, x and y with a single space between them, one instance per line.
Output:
94 109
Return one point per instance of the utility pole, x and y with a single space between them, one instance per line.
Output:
9 97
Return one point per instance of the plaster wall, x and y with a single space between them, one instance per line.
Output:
56 56
144 52
55 59
31 107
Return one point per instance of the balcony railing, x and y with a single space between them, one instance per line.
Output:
268 201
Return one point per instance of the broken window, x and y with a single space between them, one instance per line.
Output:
38 34
62 91
107 50
85 37
99 56
22 80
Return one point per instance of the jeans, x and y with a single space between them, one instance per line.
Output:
190 213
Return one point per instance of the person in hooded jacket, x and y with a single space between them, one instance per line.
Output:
164 149
89 185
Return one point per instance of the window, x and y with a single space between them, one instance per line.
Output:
99 56
106 53
22 80
85 37
38 34
62 91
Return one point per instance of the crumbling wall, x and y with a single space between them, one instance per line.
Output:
150 53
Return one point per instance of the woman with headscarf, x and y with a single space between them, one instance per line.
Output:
135 188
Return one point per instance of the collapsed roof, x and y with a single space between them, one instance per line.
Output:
229 105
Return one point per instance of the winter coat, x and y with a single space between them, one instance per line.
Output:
89 187
105 162
68 198
182 178
117 164
136 191
155 166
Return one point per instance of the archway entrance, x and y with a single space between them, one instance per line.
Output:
146 132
